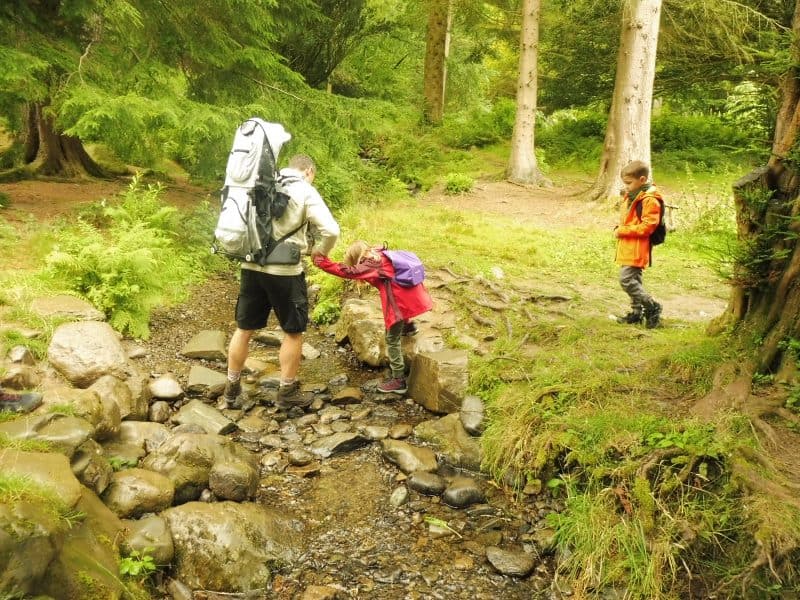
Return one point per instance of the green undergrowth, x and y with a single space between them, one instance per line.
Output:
125 255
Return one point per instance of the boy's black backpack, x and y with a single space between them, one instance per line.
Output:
659 235
252 194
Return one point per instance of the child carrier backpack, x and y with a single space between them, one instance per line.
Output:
408 268
252 194
659 235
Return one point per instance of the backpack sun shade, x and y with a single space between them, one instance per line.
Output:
252 195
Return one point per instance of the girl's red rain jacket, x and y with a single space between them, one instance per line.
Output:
411 301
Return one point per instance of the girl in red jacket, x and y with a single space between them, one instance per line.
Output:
368 263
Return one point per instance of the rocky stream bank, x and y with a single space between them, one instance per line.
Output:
363 495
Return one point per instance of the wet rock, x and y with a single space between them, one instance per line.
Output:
85 351
376 432
166 387
408 458
429 484
331 414
438 380
337 443
91 467
233 480
457 448
203 381
349 395
179 590
307 420
400 431
147 436
341 426
515 564
360 413
472 415
462 492
322 429
152 535
211 539
252 424
338 380
309 352
20 377
160 412
64 434
133 492
207 417
208 344
268 338
21 355
399 496
299 457
306 471
322 592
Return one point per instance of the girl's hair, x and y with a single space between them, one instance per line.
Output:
355 253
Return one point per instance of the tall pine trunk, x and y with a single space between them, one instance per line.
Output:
628 131
522 167
436 51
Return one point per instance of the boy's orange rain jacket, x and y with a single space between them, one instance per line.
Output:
633 233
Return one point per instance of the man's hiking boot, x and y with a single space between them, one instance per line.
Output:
632 318
410 328
652 316
393 385
290 396
233 394
22 402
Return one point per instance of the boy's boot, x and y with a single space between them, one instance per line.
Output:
652 315
19 402
632 318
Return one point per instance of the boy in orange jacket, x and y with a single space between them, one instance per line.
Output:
640 215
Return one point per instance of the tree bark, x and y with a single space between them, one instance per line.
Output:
436 51
51 153
522 167
765 295
628 131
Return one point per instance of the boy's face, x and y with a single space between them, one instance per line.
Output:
632 183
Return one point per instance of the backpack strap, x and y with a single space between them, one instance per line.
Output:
638 208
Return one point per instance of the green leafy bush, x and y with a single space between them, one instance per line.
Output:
571 136
480 127
137 263
457 183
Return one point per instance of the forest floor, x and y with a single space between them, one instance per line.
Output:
547 208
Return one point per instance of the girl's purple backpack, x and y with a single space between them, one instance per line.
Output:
408 268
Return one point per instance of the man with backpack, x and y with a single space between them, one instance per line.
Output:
282 287
641 215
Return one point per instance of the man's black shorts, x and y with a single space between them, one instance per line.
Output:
259 293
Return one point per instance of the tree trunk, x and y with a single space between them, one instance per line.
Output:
766 291
50 153
522 167
435 69
628 131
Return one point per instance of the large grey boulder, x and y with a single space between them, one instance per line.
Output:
85 351
225 546
438 380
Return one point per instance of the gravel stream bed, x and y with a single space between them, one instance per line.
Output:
354 540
